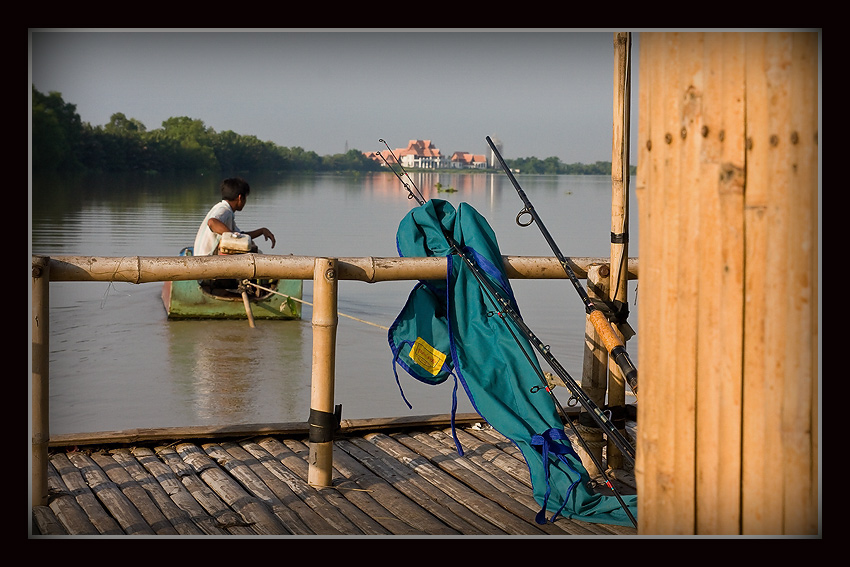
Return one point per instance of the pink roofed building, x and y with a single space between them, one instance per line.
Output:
466 160
423 154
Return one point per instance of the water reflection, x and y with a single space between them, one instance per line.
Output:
229 373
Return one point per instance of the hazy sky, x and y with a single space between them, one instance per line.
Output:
541 93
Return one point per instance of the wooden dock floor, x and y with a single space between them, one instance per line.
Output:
403 483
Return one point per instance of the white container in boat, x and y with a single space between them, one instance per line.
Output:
235 243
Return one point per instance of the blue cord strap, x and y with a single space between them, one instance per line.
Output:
397 381
548 444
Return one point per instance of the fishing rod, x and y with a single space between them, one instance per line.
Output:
604 329
504 308
410 194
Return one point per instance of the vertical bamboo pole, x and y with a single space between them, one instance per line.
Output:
646 190
780 389
720 164
594 372
325 284
800 240
39 387
803 240
248 312
763 363
664 465
618 290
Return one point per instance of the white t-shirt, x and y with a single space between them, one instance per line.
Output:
206 241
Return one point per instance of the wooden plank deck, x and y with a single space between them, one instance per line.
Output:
403 482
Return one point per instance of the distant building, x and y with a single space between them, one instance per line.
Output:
466 160
423 154
375 157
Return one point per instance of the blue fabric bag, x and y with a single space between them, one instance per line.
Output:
452 328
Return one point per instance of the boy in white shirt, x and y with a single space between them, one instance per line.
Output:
221 218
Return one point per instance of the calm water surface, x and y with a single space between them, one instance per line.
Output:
117 362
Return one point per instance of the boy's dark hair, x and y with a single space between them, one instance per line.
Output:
232 187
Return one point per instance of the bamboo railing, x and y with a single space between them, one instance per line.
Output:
324 272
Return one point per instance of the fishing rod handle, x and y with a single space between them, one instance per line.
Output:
615 347
605 330
621 357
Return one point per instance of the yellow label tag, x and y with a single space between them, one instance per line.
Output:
427 356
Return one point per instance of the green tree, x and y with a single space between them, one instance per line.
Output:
120 124
352 160
299 159
56 132
195 144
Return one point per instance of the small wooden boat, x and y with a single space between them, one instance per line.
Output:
223 299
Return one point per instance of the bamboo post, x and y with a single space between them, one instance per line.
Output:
780 456
40 393
618 290
594 372
248 312
322 418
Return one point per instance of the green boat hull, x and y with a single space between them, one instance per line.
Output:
186 299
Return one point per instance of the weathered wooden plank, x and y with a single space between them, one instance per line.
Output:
520 472
178 518
111 496
487 509
410 519
430 515
418 488
521 503
379 487
444 445
73 479
178 493
224 517
472 451
46 522
65 507
485 447
310 517
492 436
359 480
333 506
263 464
134 493
252 509
327 502
255 486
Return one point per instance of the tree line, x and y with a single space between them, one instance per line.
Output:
62 142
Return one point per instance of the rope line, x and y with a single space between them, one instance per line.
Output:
247 282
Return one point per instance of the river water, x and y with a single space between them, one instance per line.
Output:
117 362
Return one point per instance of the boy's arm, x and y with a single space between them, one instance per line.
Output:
217 226
220 228
264 232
